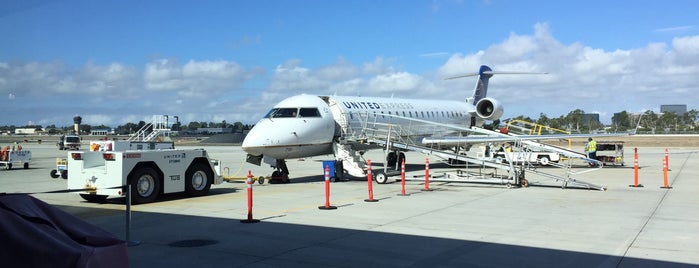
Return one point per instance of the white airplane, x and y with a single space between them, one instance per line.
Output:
309 125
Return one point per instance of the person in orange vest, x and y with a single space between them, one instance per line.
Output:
3 153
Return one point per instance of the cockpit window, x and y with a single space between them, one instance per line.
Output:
282 113
309 112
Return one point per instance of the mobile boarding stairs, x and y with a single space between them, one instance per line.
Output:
454 150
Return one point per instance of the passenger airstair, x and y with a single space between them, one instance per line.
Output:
364 128
157 127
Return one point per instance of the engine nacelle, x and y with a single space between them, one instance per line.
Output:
489 109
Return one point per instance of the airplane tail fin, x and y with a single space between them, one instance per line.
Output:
484 74
481 90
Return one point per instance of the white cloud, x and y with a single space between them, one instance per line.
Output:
581 77
380 65
399 82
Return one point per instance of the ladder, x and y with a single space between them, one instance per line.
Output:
365 127
150 131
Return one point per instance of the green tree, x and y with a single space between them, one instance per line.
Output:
648 120
621 121
238 126
543 120
668 121
690 118
127 128
574 119
194 125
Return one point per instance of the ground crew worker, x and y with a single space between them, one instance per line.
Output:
591 149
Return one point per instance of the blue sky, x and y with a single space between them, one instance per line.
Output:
114 62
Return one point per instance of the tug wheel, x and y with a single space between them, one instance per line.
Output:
198 179
145 185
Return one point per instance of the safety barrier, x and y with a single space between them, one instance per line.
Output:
635 169
402 178
327 205
249 183
427 175
370 183
665 165
666 168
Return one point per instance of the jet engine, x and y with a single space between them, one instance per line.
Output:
489 109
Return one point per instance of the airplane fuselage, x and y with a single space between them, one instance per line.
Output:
307 125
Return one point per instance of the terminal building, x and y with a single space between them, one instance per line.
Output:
588 119
678 109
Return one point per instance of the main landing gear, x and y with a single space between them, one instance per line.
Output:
394 160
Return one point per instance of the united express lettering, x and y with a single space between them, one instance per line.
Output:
375 105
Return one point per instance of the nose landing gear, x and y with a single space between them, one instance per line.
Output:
281 174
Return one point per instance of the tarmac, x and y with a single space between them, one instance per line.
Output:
453 225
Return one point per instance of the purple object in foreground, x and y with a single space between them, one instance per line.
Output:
36 234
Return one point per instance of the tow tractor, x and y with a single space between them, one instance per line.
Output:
151 168
11 156
61 169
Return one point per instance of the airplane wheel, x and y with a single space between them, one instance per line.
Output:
381 178
391 159
339 170
524 183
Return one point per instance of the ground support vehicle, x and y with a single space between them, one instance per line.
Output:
9 158
151 168
68 142
61 169
610 153
542 158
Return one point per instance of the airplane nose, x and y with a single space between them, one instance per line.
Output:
253 142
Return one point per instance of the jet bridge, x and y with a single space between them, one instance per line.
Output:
395 138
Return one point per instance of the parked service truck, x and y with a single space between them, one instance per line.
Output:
151 168
15 156
68 142
527 156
